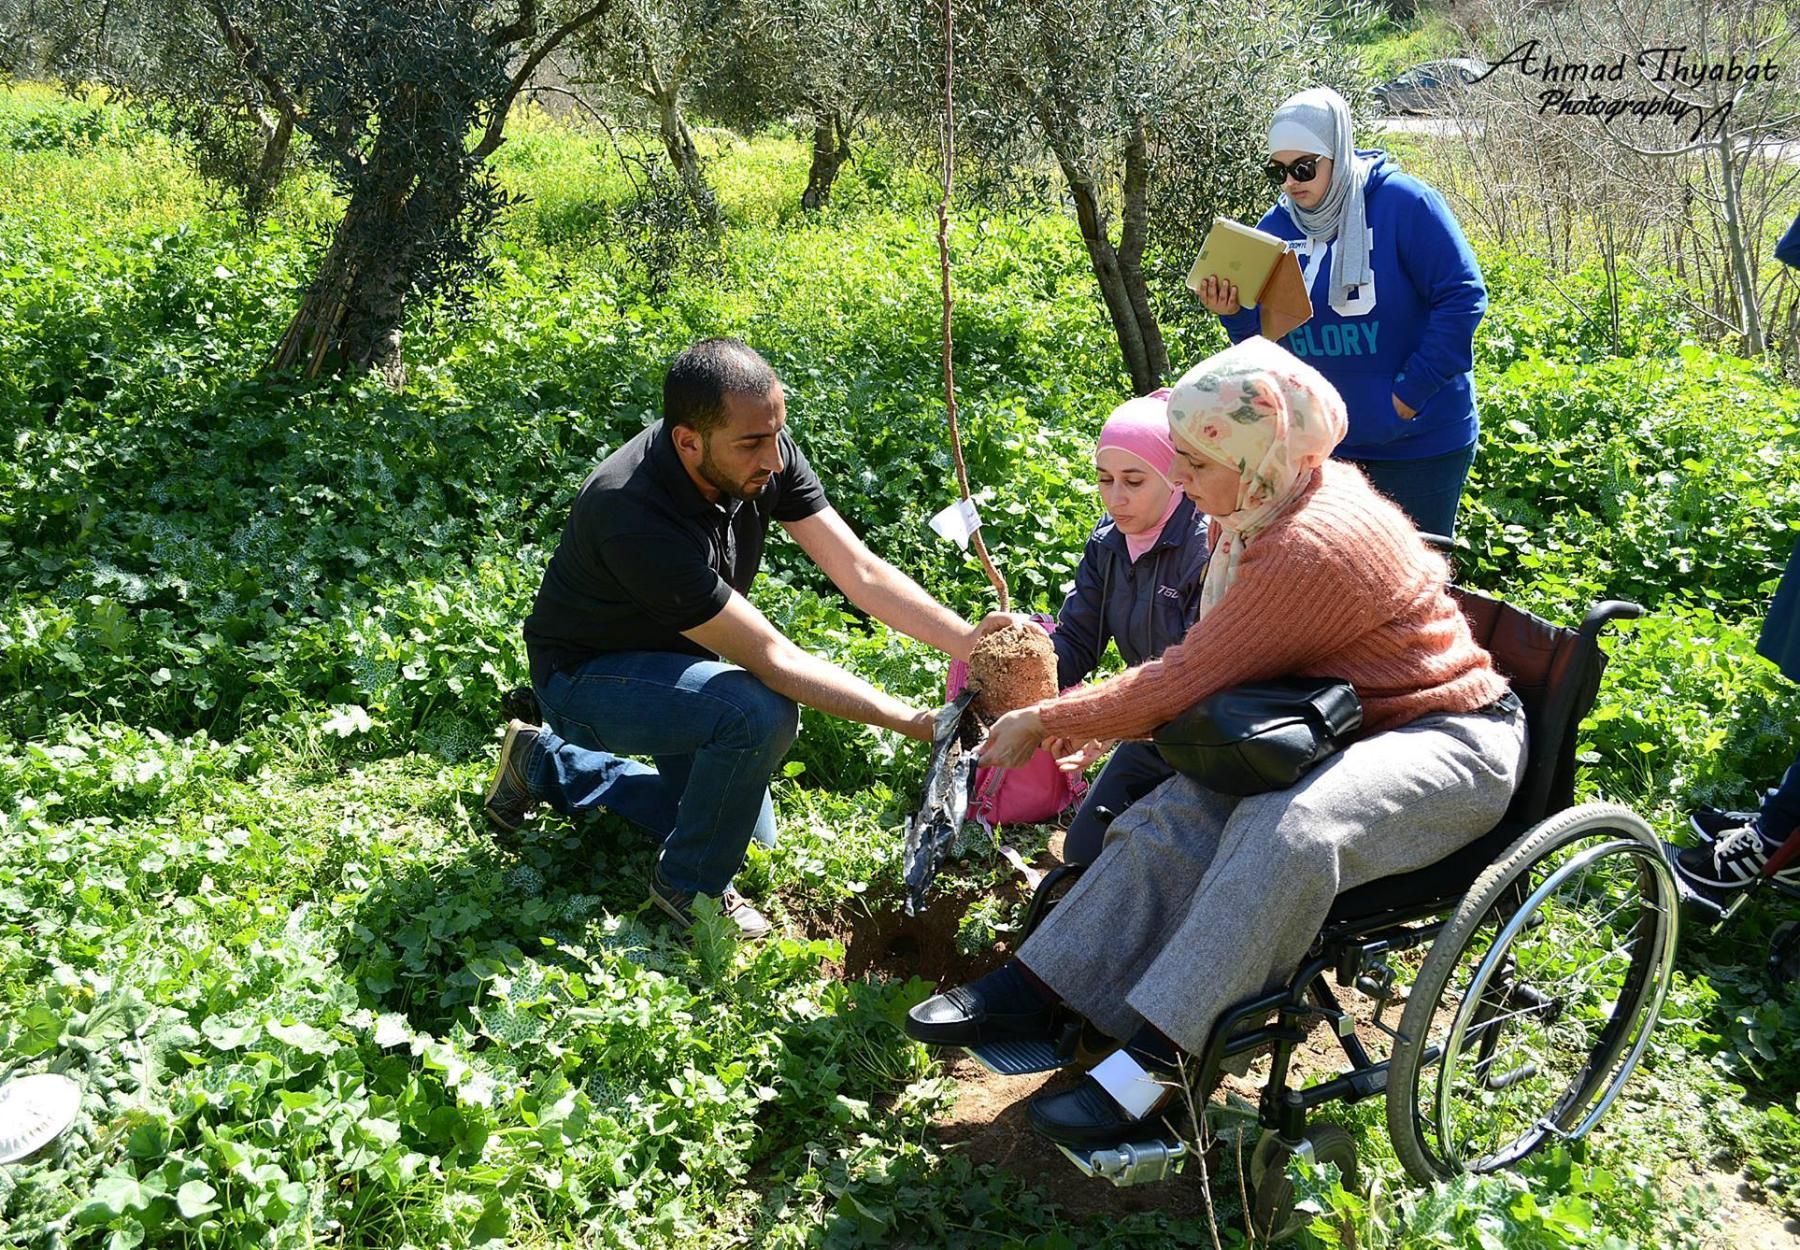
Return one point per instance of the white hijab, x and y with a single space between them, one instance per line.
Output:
1317 121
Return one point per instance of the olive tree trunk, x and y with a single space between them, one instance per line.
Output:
353 311
678 141
1119 269
831 148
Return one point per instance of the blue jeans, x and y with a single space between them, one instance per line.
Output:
1781 807
715 732
1429 490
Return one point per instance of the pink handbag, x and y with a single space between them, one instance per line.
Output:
1037 792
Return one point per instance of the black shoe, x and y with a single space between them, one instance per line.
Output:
1708 823
520 703
509 798
1732 861
679 904
1000 1007
1087 1115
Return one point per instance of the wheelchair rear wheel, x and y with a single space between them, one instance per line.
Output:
1537 998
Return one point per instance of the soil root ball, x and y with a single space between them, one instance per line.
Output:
1012 668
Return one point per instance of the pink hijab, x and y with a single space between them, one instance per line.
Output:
1139 427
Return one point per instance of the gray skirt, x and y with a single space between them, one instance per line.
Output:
1201 900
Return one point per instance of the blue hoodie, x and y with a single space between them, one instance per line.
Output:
1411 335
1788 250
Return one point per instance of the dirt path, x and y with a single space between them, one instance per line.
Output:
1745 1223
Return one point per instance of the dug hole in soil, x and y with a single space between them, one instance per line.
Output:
987 1121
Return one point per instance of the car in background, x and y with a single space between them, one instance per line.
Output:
1430 88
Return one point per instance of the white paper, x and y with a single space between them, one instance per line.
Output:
1135 1090
958 522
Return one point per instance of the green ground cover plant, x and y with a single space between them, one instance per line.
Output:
253 637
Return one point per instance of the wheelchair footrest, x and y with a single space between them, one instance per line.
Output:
1129 1163
1021 1058
1025 1056
1692 898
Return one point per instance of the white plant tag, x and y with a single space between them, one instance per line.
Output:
958 522
1130 1085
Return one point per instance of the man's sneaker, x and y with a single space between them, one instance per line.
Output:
1734 859
508 797
679 904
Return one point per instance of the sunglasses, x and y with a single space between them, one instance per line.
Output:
1303 170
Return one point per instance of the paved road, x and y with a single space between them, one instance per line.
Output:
1441 126
1456 127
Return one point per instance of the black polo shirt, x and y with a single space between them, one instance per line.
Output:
645 555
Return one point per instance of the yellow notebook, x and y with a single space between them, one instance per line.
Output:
1240 254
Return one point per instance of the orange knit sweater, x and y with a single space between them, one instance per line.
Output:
1339 586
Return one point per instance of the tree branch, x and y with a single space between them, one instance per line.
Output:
522 27
497 123
250 57
1135 213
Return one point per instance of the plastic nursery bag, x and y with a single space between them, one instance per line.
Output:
949 784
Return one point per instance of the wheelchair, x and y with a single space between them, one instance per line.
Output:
1539 954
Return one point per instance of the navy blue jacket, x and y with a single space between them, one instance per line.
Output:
1780 641
1144 606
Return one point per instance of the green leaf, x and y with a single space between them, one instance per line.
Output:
392 1029
302 1037
229 1036
195 1199
348 720
40 1025
111 1198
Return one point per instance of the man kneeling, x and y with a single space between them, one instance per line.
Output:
641 641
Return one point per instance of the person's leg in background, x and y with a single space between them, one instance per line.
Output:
1429 490
1780 813
1135 769
1735 846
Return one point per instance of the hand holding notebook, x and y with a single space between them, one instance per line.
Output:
1263 269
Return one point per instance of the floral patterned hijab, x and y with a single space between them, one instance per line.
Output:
1256 408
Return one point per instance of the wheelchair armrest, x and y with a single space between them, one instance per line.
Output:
1605 612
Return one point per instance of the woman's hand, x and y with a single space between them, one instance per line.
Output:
1406 414
1219 296
1074 757
1013 740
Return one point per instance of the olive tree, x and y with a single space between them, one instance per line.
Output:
401 101
1153 115
654 52
823 62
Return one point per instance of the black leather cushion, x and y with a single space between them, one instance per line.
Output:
1556 676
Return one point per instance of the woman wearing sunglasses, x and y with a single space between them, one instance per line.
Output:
1396 298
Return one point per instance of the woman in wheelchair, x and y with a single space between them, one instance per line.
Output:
1200 900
